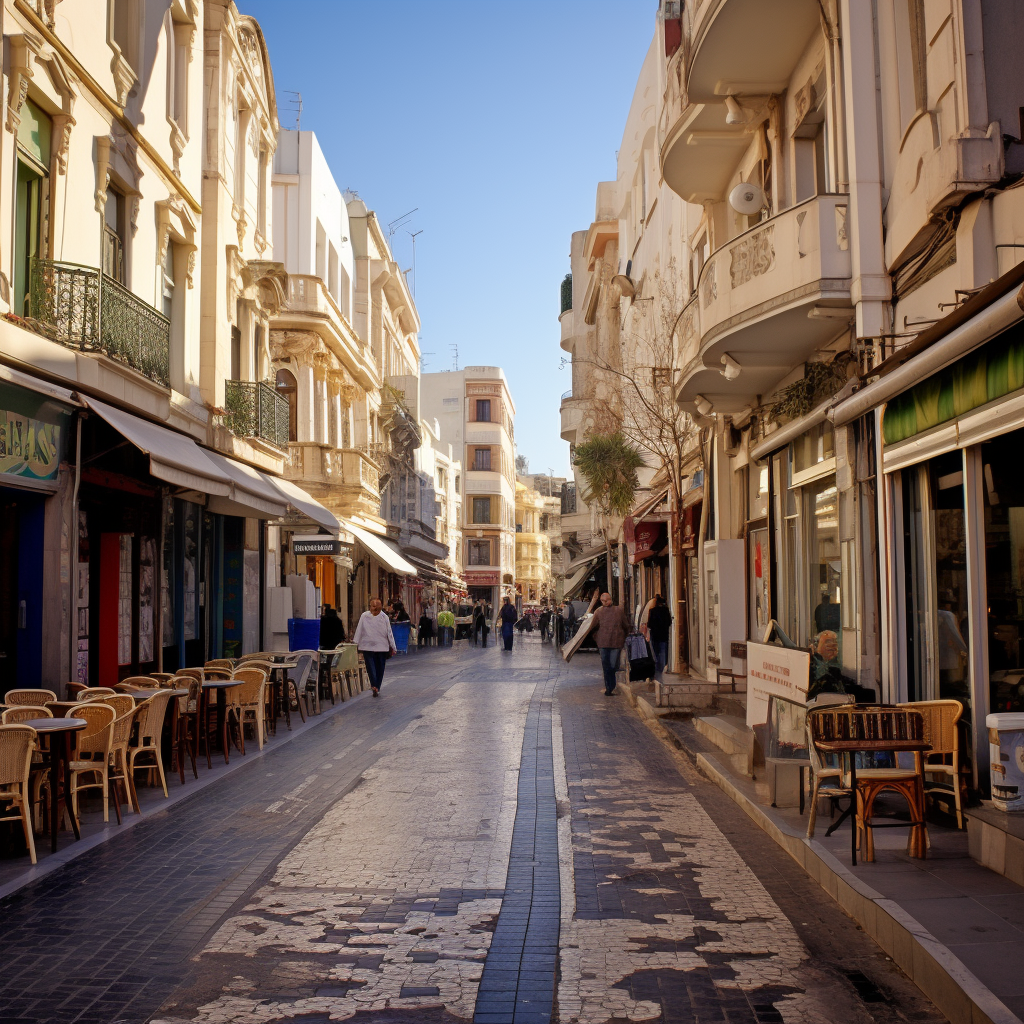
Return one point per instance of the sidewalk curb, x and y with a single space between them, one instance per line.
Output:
955 990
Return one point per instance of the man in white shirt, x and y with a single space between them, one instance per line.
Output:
375 642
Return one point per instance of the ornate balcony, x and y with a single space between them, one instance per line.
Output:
83 308
255 409
765 303
347 480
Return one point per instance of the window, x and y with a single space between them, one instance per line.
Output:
124 30
289 391
481 510
261 192
32 191
178 36
167 282
236 352
114 235
479 552
544 522
482 458
483 410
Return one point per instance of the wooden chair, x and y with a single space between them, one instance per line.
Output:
943 735
92 692
248 703
37 698
188 723
17 745
24 713
92 756
145 751
825 768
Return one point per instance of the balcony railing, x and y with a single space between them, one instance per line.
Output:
255 409
83 308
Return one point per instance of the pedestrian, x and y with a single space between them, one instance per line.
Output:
332 630
612 626
659 622
375 642
568 619
545 624
400 614
426 630
479 624
507 619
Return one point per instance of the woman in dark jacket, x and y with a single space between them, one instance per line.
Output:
332 630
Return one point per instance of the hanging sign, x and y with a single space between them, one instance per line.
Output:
32 433
316 546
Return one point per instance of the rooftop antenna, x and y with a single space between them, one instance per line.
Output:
394 225
455 354
412 235
297 106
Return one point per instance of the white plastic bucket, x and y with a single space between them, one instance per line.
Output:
1006 759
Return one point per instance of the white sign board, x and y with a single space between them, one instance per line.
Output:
781 671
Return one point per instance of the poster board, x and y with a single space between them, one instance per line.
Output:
587 626
779 671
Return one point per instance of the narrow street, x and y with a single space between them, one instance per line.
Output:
401 862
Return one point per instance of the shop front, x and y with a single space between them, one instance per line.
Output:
35 495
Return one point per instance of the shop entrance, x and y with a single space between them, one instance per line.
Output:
21 573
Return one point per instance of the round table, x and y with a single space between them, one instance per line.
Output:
59 729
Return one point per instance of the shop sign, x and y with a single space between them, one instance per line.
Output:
31 442
779 671
647 536
481 579
315 546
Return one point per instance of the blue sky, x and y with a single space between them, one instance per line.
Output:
495 119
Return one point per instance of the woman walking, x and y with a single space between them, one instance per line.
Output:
376 643
506 620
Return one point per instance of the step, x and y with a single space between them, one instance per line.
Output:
732 736
687 693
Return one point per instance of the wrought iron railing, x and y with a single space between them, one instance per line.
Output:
566 293
81 307
255 409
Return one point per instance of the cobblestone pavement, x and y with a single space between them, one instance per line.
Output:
493 840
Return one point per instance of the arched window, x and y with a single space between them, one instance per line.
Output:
289 391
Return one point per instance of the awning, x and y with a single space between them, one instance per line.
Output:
173 457
426 570
254 494
383 549
580 576
307 505
656 499
587 556
43 387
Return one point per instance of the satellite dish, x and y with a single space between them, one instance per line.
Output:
747 198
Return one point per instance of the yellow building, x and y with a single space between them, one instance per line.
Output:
533 548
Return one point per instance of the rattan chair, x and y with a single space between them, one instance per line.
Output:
92 756
17 745
72 689
122 703
942 733
117 760
248 703
37 698
219 663
188 723
93 692
140 682
24 713
145 750
195 673
825 768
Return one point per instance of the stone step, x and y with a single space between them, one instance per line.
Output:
732 736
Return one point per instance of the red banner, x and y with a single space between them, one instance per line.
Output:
481 579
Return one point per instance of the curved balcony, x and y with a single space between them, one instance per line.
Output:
765 303
567 322
571 412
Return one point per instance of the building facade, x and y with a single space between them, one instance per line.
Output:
533 548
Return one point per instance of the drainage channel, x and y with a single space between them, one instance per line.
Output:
518 982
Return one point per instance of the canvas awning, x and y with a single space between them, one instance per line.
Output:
580 576
173 457
383 549
426 570
307 505
254 494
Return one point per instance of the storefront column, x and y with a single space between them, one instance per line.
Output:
977 607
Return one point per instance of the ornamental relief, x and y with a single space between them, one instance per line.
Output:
753 256
709 286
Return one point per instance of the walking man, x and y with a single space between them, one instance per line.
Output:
375 642
507 620
612 626
659 622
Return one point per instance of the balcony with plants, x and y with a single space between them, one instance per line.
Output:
255 409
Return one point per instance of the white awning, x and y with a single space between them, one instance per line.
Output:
43 387
383 549
254 494
573 583
306 504
173 457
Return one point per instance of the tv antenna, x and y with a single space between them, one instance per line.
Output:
395 224
412 235
455 355
295 106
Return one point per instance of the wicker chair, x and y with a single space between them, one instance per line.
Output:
147 745
195 673
37 698
219 663
825 768
941 732
93 692
161 677
306 681
247 703
17 745
72 689
188 723
24 713
122 703
137 683
117 760
92 756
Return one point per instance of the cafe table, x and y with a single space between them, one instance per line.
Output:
61 735
279 667
219 687
850 748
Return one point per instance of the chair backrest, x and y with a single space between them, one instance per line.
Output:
300 673
196 673
251 686
122 703
95 737
121 729
218 663
249 675
17 744
857 722
150 714
188 703
940 724
37 698
24 713
73 688
217 672
140 682
95 691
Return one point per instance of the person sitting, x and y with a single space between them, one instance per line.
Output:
332 629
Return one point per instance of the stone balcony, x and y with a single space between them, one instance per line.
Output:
765 302
345 479
567 324
571 412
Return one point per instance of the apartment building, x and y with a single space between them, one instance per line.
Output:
476 414
533 547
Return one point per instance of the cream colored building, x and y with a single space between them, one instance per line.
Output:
533 547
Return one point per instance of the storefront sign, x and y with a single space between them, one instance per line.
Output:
315 546
781 671
32 432
481 579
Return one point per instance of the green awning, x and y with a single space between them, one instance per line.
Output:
993 371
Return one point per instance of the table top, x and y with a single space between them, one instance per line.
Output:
277 665
56 724
853 746
219 684
146 694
